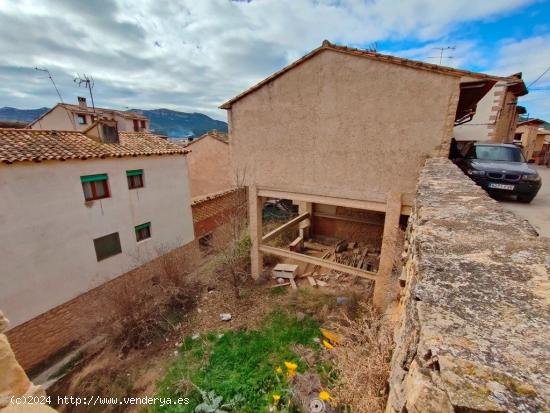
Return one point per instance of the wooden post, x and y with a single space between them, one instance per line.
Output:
387 255
255 207
304 207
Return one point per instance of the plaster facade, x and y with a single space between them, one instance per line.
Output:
343 126
209 166
61 118
46 246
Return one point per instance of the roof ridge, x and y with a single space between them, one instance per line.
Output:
415 64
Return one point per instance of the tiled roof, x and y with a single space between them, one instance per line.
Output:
516 78
216 134
19 145
533 121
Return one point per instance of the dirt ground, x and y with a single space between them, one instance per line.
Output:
106 372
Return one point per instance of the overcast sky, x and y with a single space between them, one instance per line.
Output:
193 55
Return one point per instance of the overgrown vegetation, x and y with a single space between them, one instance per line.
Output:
140 316
362 361
239 364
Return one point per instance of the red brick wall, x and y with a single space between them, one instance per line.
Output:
214 210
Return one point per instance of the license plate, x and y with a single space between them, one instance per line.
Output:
501 186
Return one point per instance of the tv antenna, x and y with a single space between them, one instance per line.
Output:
88 83
441 52
58 93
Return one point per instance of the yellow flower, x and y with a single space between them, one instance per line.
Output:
324 395
276 398
279 370
290 365
327 345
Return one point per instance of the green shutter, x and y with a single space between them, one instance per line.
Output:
146 225
93 178
134 172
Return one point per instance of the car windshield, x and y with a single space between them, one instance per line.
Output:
496 153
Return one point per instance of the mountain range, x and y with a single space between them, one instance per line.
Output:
167 122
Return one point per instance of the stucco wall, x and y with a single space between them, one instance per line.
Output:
473 335
343 126
64 119
209 166
528 139
480 127
46 244
59 119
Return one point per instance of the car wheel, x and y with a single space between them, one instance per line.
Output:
526 198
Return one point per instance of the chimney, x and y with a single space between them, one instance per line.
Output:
82 102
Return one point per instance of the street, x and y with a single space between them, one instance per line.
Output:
538 211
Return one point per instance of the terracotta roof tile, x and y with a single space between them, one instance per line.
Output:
19 145
216 134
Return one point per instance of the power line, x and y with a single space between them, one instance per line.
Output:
538 78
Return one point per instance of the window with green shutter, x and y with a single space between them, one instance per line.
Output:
95 186
143 231
135 178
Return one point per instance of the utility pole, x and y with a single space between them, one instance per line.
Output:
441 52
88 84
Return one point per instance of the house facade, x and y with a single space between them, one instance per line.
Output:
78 210
531 138
64 116
496 114
346 129
209 164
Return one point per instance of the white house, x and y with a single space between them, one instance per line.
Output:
80 208
64 116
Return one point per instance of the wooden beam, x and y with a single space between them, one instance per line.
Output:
285 226
279 252
372 205
321 199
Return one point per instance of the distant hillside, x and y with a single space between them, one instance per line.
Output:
163 121
21 115
181 124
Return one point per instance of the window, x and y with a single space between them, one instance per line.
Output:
95 187
496 153
107 246
143 231
135 178
136 125
143 125
110 134
82 119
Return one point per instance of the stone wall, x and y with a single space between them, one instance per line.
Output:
15 386
474 332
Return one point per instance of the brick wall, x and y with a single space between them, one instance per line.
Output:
42 339
211 211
